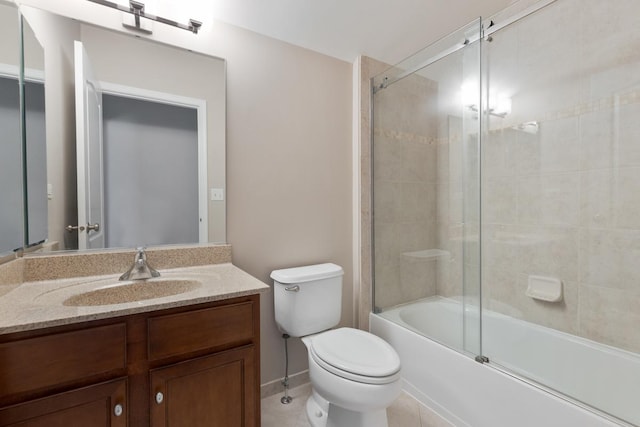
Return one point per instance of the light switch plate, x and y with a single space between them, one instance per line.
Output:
217 194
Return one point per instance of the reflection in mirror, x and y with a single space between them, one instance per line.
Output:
169 142
11 190
35 137
149 131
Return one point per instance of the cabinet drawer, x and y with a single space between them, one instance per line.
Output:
44 362
183 333
92 406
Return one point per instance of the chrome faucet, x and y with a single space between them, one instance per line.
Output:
140 270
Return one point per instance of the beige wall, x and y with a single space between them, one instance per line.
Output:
33 52
288 157
289 168
9 51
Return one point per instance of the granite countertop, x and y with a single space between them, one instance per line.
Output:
42 304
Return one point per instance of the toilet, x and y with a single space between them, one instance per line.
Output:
354 375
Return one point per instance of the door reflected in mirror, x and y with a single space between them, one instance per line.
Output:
35 138
11 190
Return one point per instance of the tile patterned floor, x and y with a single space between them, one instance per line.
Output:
404 412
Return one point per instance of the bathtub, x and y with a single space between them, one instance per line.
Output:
468 393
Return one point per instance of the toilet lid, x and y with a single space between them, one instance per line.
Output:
355 352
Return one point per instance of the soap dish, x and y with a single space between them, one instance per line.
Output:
544 288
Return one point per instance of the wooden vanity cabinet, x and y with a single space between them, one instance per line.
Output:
214 390
93 406
190 366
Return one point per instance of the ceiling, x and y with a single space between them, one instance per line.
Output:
386 30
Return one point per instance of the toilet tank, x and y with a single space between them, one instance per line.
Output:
307 299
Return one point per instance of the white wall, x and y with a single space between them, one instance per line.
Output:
288 155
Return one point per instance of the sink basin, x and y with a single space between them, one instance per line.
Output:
131 291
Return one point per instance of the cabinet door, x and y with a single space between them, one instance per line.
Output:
95 406
218 390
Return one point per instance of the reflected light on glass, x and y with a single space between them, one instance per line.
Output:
501 107
470 94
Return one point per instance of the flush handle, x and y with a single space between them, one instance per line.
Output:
295 288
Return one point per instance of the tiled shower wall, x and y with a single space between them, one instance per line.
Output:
405 191
561 202
565 202
452 265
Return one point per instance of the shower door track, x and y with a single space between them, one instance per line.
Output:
558 394
492 28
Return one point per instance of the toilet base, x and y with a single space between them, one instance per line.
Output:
321 413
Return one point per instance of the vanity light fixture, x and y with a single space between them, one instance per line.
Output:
136 8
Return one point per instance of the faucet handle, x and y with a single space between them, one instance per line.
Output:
140 269
141 254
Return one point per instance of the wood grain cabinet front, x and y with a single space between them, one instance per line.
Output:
208 328
51 361
100 405
192 366
210 391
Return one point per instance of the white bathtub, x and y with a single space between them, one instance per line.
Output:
469 393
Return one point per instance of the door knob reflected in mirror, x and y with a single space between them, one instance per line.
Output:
89 227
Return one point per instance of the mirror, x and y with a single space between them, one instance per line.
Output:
11 172
135 140
35 140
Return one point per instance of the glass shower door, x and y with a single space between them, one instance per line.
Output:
426 191
561 206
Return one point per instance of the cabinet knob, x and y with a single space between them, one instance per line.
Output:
117 410
159 397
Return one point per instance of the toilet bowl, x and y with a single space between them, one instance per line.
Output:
354 375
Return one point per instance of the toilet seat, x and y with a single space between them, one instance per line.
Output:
356 355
